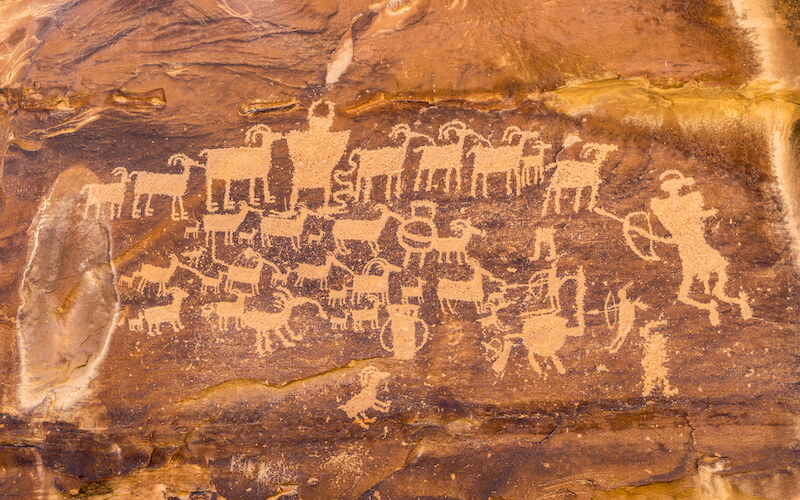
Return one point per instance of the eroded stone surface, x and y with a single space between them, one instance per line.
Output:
397 250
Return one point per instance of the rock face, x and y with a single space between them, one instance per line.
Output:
405 249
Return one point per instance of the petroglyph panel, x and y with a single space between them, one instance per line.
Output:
404 249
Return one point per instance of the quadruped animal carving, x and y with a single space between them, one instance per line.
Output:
371 283
112 193
226 224
277 323
533 166
374 163
445 157
170 313
505 158
248 163
285 225
150 274
367 231
577 175
470 291
454 249
172 185
305 273
315 153
226 311
369 315
367 398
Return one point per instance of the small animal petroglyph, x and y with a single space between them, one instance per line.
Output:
192 231
126 280
413 292
226 224
533 166
367 398
170 313
369 315
285 226
305 273
149 273
246 236
470 291
243 163
339 298
243 275
226 311
577 174
369 282
171 185
194 256
136 323
454 249
112 193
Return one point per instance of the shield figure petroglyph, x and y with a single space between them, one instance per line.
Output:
315 153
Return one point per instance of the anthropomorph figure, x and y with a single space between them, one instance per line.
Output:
626 317
684 216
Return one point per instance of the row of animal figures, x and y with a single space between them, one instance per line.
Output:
316 152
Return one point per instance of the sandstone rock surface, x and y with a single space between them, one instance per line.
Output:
404 249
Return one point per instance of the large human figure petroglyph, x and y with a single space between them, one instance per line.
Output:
684 216
315 153
247 163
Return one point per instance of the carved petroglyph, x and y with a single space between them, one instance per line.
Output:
305 273
171 185
654 360
684 217
278 285
544 332
577 175
113 193
249 163
544 237
170 313
471 291
315 153
403 323
447 157
374 280
502 159
226 224
367 398
454 249
276 324
285 225
374 163
150 274
625 311
366 231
